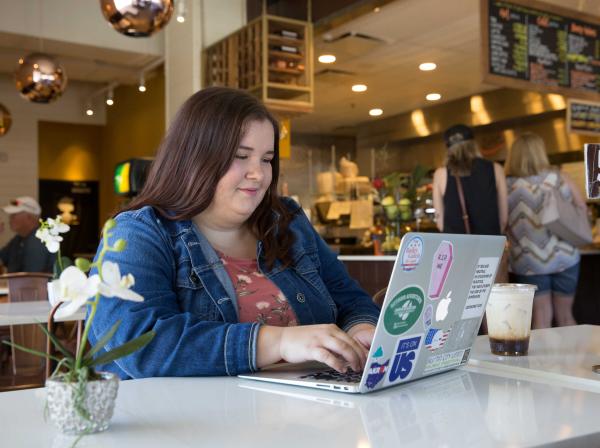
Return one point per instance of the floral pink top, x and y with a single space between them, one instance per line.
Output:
259 299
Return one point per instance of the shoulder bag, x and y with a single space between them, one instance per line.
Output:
563 218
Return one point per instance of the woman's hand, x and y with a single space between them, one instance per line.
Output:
324 343
363 334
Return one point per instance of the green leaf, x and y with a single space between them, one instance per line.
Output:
83 264
31 351
67 362
123 350
64 350
102 341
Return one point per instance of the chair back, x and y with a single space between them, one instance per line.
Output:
27 287
379 297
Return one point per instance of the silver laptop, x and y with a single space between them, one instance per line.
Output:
430 316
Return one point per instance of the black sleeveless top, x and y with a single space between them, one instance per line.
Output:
481 199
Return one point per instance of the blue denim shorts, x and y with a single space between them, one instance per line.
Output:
564 282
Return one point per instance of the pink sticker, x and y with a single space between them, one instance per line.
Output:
442 261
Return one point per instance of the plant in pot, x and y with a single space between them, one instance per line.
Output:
79 399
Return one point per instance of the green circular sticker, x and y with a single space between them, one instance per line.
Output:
404 310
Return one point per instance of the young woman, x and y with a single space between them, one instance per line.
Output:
234 277
537 256
483 183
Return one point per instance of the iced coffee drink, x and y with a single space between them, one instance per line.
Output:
508 315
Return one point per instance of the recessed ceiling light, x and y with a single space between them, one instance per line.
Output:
359 88
89 112
375 112
427 66
327 59
376 9
433 96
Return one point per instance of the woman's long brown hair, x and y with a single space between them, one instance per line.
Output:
197 151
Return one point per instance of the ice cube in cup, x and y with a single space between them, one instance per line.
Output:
508 314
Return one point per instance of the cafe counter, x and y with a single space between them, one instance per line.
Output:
373 273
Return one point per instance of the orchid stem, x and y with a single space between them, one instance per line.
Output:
93 305
59 261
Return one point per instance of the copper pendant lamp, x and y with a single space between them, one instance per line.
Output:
5 120
40 78
137 18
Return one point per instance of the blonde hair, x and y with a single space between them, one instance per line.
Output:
459 159
527 156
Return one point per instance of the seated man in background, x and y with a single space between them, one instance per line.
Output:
24 252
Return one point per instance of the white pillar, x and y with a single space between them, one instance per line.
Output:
206 22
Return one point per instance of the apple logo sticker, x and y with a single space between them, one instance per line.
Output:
442 309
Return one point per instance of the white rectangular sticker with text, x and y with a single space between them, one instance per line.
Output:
480 287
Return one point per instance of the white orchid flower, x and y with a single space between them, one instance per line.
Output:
56 226
75 288
51 241
113 285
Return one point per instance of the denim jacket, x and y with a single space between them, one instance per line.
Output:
190 300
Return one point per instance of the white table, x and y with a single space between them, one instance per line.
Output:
565 355
20 313
454 409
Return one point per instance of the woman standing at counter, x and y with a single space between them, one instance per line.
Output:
483 184
537 256
234 277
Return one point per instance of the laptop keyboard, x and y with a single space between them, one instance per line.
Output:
333 375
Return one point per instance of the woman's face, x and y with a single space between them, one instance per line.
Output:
242 188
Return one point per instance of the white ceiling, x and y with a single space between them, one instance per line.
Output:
446 32
405 32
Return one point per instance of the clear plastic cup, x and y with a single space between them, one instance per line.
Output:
508 314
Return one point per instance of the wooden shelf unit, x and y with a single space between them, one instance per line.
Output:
253 59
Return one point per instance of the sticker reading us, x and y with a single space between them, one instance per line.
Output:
405 359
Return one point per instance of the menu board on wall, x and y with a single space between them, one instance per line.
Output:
537 46
583 117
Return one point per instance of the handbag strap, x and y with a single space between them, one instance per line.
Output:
463 205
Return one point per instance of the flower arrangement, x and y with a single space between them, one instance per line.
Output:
49 232
74 289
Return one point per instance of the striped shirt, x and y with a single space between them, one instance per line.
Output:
534 250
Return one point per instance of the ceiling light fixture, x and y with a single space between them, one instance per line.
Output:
181 12
136 18
110 97
433 96
359 88
427 66
88 109
376 9
142 83
375 112
327 59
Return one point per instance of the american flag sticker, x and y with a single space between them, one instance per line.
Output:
436 338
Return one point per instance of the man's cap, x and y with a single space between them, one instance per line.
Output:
23 204
457 134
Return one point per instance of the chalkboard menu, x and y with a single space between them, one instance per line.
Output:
534 45
583 117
